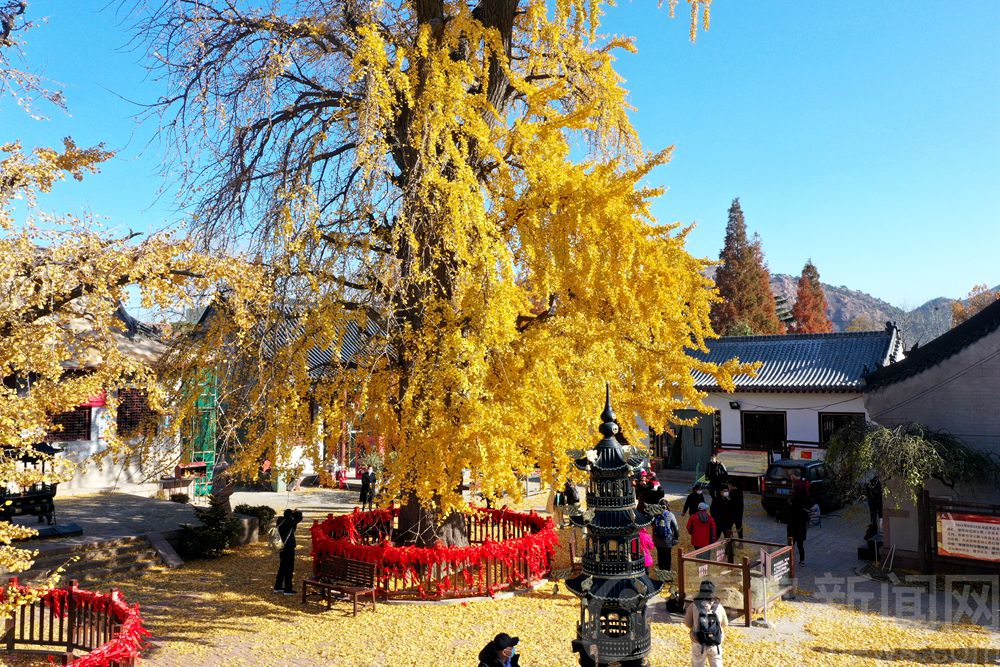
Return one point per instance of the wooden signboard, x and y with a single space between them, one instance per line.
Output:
745 462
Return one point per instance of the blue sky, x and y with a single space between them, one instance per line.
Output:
865 135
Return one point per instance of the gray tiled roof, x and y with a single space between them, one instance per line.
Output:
288 330
803 362
354 343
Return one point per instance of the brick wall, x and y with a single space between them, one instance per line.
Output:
958 395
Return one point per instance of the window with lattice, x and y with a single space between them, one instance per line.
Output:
134 414
73 425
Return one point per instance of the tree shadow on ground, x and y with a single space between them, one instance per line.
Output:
115 515
203 600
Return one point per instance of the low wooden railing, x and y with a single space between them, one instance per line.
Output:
507 550
66 622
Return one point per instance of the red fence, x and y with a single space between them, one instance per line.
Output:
507 550
65 621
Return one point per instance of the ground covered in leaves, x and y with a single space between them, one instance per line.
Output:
222 612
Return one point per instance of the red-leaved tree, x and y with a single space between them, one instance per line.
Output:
809 310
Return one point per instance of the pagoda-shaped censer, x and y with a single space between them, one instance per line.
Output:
613 587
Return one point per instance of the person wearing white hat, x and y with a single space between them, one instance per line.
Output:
701 527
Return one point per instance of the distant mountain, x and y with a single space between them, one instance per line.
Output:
844 304
919 325
926 322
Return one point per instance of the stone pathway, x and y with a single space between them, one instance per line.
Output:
315 503
106 516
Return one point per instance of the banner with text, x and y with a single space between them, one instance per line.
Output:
972 536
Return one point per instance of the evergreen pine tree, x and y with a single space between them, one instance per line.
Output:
744 283
809 310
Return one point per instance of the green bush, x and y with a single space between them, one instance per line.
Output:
263 513
181 498
217 532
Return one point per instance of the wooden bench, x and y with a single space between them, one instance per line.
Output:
333 574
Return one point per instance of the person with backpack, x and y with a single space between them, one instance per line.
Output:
285 538
706 619
701 527
665 536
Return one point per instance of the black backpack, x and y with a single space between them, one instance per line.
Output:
708 631
661 527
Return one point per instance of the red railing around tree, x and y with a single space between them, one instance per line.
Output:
66 621
507 550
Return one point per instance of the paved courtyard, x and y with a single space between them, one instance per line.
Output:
833 573
105 516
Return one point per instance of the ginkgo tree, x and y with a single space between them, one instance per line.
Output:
463 182
62 278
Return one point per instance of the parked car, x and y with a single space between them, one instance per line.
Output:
776 487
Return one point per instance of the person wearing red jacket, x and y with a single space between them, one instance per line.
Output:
701 528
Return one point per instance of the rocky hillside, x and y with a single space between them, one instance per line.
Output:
846 305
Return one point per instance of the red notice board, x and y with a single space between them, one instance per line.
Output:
970 536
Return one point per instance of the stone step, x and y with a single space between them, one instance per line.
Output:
57 546
97 560
109 577
148 556
89 570
99 553
671 475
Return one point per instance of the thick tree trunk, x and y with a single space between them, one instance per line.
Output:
420 527
429 256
